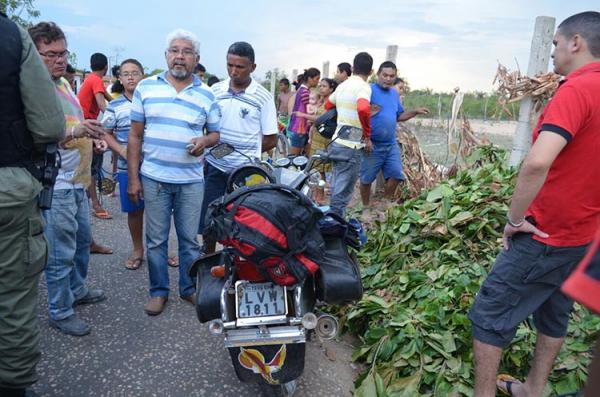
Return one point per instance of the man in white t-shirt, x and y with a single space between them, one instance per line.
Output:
248 123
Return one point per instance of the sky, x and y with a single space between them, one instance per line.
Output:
441 44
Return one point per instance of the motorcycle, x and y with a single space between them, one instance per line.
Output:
265 326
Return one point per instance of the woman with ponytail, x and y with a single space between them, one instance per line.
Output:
299 127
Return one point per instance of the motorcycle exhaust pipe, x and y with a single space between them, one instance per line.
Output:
327 327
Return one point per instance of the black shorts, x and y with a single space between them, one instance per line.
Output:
525 280
96 168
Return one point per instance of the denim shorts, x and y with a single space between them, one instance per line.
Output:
126 204
384 158
525 280
297 140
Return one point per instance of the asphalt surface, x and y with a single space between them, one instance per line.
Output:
171 355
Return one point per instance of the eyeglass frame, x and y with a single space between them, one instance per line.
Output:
175 51
53 55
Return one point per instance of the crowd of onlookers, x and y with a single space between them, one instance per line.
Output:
160 129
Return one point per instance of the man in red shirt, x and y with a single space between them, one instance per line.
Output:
92 94
92 98
552 218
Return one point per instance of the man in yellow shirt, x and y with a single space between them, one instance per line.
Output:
353 133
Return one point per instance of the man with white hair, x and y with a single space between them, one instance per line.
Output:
168 114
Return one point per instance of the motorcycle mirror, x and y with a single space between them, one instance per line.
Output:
221 150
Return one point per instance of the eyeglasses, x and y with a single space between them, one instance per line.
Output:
54 55
186 52
132 74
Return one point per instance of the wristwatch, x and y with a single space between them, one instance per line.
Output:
513 224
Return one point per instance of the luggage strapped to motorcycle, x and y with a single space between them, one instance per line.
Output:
285 253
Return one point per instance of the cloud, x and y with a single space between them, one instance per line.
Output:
442 43
72 7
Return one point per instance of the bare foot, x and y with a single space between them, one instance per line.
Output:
99 249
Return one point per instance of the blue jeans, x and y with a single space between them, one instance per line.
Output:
161 200
215 186
345 175
69 237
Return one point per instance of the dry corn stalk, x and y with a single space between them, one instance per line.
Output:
468 140
512 87
420 172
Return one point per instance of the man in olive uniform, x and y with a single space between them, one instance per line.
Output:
30 118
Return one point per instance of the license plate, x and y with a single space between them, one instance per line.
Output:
259 299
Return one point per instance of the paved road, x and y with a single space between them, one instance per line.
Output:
172 355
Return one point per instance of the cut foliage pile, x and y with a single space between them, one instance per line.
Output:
421 270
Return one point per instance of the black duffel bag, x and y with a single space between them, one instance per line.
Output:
338 278
208 288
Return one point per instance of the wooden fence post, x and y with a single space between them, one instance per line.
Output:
325 71
273 81
538 63
293 78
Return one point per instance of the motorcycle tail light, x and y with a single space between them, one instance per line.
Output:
309 321
218 271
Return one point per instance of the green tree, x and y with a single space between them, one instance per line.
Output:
153 71
73 59
20 11
267 81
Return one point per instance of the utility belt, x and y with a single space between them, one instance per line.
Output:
45 172
16 150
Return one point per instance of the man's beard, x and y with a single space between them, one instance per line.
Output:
179 74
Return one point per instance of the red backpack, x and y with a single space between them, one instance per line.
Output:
272 226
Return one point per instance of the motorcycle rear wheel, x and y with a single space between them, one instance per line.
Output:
284 390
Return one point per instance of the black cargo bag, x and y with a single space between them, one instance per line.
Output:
338 278
208 288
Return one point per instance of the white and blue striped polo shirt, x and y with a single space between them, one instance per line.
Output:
246 117
116 118
171 120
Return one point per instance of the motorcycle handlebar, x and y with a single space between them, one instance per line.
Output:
327 157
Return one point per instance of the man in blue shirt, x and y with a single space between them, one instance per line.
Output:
386 111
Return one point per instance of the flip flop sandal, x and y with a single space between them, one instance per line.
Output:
508 381
134 263
173 262
102 214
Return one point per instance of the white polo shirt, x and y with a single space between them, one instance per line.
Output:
245 118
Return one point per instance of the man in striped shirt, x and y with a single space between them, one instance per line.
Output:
169 112
353 133
249 122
